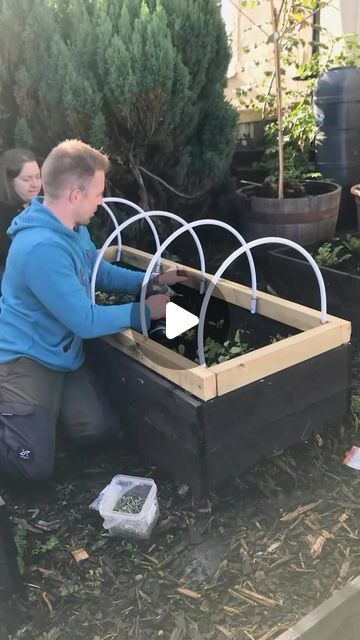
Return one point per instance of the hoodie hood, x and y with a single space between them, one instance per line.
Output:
37 216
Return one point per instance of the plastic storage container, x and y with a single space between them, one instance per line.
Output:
124 495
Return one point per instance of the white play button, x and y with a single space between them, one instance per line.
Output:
178 320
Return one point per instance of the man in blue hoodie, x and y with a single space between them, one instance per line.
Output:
46 312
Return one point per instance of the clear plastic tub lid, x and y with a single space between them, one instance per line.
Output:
128 497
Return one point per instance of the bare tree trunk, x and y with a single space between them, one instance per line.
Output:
144 198
275 25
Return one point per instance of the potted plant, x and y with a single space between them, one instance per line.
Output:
292 202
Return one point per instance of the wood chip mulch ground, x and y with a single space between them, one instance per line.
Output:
246 563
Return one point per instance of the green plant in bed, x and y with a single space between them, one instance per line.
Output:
329 256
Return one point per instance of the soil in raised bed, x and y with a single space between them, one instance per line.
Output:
223 321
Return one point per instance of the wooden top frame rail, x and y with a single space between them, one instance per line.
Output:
219 379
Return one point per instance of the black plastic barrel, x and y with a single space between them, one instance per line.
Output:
337 111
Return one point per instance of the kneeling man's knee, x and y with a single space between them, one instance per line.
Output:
27 441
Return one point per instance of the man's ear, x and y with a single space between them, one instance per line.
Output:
74 195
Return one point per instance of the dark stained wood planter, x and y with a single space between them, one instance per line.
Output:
291 277
204 443
206 425
338 617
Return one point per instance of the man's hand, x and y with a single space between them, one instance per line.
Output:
174 275
157 305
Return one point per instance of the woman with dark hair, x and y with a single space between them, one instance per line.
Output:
20 181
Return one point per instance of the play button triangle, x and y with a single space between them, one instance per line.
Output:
178 320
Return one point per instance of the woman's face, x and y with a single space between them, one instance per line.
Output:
28 183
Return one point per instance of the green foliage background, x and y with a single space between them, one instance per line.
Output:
142 79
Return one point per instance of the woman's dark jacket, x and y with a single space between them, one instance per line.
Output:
8 211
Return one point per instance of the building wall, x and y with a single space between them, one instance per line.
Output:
342 16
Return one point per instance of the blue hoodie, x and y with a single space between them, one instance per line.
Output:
45 308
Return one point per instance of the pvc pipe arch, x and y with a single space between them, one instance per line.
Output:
186 227
236 254
245 248
147 215
173 236
126 223
155 261
116 224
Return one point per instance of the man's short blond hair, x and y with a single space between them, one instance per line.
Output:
71 164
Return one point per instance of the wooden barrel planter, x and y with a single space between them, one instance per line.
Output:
204 425
308 219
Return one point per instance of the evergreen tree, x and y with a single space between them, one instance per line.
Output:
142 79
12 26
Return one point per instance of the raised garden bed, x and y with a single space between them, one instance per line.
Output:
204 425
291 277
336 618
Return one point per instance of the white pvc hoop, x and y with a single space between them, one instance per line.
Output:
188 227
236 254
178 232
126 223
183 222
116 224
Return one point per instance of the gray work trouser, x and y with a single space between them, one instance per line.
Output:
33 401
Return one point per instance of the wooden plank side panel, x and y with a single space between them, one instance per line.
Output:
231 417
172 366
166 452
160 405
263 362
331 618
233 458
290 313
